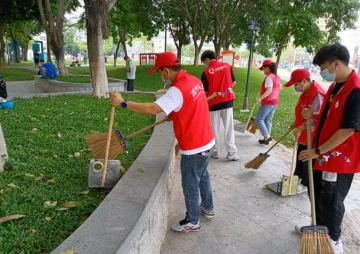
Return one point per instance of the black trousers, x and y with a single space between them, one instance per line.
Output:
329 197
130 85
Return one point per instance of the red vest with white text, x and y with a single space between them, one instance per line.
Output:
305 101
344 158
192 124
273 98
219 78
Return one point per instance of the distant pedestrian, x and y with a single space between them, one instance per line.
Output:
36 57
130 73
48 70
270 92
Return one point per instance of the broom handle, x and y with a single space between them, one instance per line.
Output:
277 142
252 110
108 146
311 176
292 164
146 128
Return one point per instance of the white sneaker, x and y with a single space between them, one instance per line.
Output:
298 229
207 214
301 188
185 226
215 155
338 246
232 157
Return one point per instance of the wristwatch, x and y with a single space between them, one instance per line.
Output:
124 104
317 151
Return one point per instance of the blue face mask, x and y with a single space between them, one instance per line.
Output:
299 89
325 74
168 82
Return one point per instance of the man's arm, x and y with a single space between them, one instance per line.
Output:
233 79
269 87
205 81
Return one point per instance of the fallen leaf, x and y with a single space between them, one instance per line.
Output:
43 115
50 203
59 134
77 154
34 130
62 209
71 113
29 175
94 132
2 191
140 170
54 157
11 217
39 177
22 252
47 218
105 119
84 192
53 180
13 185
6 112
33 230
71 204
68 251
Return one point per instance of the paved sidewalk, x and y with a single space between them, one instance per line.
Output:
22 88
250 219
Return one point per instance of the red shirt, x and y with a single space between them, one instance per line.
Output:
219 78
273 98
192 124
344 158
304 101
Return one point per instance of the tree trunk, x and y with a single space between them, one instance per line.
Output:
227 44
97 60
48 48
196 55
17 60
217 47
116 53
179 49
123 44
2 45
25 48
60 61
278 55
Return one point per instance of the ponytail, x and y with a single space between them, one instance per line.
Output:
273 68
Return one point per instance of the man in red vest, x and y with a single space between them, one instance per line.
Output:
185 101
218 78
311 94
337 139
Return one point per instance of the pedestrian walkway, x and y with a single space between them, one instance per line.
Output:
250 219
22 88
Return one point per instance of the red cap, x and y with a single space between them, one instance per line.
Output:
298 75
164 59
266 63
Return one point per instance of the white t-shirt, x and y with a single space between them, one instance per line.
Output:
171 101
269 82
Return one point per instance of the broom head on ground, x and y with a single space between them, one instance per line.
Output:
315 240
97 143
258 161
251 126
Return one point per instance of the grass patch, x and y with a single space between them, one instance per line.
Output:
76 79
12 74
61 123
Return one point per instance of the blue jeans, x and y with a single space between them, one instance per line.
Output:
264 118
195 176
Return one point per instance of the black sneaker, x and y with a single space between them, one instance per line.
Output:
265 142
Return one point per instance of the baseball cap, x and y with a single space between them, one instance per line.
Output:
265 63
163 60
298 75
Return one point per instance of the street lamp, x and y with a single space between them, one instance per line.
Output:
253 26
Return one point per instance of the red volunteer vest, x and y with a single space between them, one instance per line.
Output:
344 158
219 78
192 124
273 98
304 101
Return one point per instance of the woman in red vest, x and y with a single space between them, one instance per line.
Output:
311 94
336 139
185 101
270 91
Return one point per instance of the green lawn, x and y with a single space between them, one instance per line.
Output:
17 74
42 137
75 79
23 63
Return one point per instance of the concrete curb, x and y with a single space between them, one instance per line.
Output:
133 217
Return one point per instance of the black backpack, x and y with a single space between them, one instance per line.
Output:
3 92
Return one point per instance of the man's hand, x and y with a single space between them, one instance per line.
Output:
212 96
116 99
307 113
168 118
297 132
161 91
257 100
308 155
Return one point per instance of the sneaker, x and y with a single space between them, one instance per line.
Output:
232 157
215 155
338 246
301 188
298 229
207 214
265 142
185 226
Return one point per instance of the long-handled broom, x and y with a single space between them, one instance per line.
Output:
261 158
251 124
97 142
314 239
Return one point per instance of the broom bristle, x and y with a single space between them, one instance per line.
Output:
315 240
257 161
250 123
97 144
253 128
